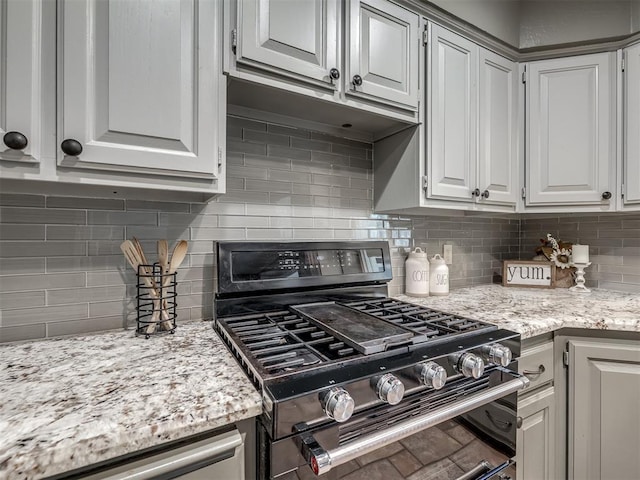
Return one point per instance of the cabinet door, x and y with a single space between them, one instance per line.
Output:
535 436
140 85
498 129
20 77
454 62
604 413
571 150
631 133
384 44
296 37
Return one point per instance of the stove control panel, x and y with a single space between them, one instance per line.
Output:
431 374
468 364
390 389
337 404
497 354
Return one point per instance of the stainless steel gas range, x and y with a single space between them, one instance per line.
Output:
356 384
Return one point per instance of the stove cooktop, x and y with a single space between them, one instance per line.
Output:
307 336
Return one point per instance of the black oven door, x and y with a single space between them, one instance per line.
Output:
471 438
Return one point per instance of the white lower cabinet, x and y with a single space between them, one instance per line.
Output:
535 437
227 455
603 409
535 452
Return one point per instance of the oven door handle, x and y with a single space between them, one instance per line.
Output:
321 460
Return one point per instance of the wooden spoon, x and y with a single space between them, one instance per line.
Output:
132 254
177 257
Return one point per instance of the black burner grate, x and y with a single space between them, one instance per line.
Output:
429 324
281 341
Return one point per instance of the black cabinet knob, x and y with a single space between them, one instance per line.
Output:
485 194
71 147
334 73
606 195
15 140
475 192
357 80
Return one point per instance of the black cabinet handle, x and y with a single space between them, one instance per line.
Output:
71 147
15 140
606 195
475 192
485 194
357 80
334 73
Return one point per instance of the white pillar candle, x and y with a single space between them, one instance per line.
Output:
580 253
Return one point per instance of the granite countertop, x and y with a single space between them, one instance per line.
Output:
75 401
71 402
534 311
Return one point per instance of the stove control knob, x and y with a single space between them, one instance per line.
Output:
469 364
338 404
432 375
497 354
390 389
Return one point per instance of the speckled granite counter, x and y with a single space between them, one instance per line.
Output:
534 311
70 402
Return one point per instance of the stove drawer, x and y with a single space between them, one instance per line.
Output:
536 363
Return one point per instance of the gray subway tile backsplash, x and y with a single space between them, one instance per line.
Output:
62 271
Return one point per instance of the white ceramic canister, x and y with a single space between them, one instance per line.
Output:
417 274
438 276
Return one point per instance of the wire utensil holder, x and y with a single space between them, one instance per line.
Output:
155 300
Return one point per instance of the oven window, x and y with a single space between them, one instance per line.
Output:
274 265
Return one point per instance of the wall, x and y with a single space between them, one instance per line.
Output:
549 22
62 272
537 23
500 18
613 239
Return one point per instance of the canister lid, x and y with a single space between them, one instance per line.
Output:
437 259
418 253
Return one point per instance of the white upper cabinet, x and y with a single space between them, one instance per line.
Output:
20 80
571 147
498 129
383 46
139 87
473 105
294 37
362 54
631 132
453 106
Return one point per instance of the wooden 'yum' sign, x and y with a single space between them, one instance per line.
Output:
528 273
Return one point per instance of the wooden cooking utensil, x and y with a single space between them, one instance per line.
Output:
177 257
163 255
135 259
163 260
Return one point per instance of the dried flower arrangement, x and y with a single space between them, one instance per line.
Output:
559 253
